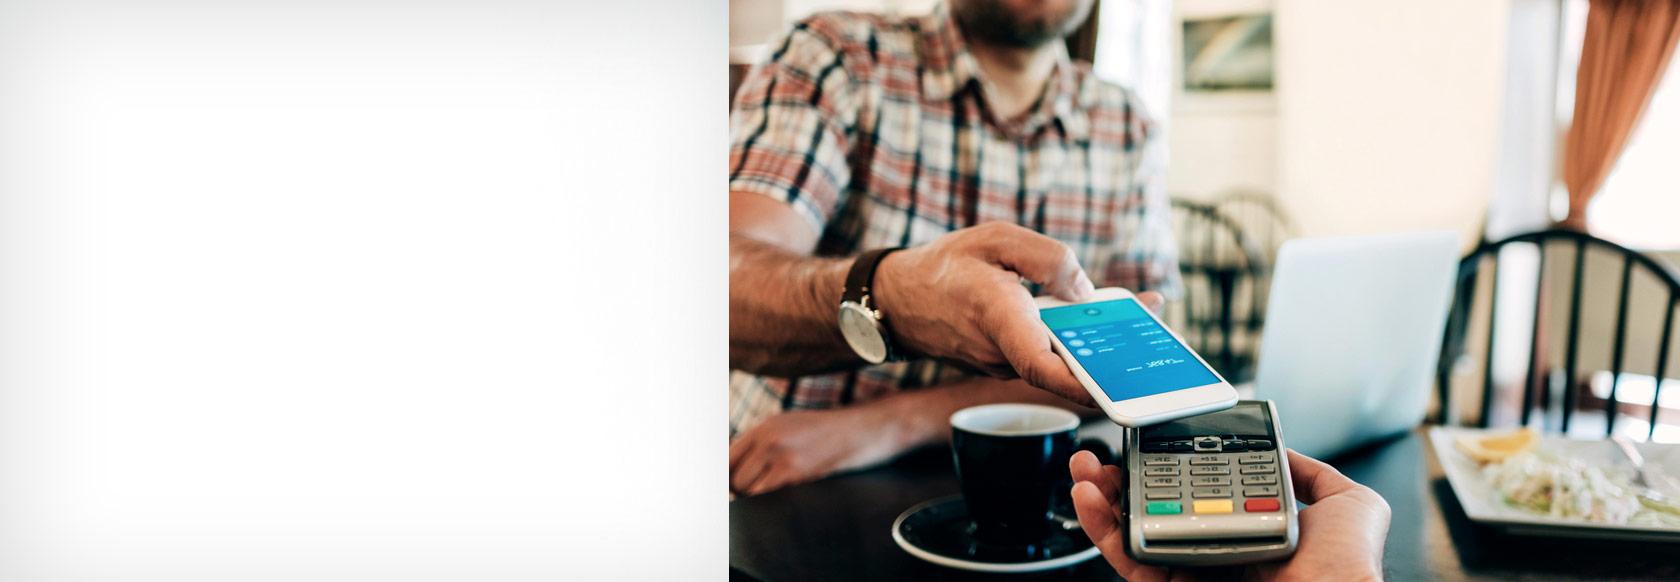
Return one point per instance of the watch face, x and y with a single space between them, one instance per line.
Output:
858 326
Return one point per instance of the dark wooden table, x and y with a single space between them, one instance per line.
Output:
838 528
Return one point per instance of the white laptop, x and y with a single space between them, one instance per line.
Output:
1352 335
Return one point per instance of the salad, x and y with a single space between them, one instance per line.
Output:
1557 487
1532 479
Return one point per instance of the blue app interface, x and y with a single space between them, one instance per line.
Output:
1125 350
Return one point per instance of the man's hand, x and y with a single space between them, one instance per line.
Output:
960 298
805 445
1342 531
799 446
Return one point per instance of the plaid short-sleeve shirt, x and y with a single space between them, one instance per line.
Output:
878 133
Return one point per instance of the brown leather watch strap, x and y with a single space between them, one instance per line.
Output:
862 276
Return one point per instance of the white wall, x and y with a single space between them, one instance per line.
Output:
1220 143
1386 118
1388 113
1530 127
754 22
1216 152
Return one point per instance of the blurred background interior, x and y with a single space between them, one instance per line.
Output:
1292 118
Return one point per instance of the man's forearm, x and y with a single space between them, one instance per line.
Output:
783 311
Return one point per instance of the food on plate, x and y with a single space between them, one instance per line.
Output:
1564 488
1562 479
1669 508
1496 447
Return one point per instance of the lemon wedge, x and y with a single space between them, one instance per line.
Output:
1494 448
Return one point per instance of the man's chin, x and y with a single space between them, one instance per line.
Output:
1025 41
995 23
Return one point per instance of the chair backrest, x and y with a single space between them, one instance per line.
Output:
1537 384
1265 225
1219 267
1265 228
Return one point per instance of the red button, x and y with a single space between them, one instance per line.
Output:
1258 505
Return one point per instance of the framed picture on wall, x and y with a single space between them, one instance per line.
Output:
1224 55
1228 53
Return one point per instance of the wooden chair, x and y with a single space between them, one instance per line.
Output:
1539 386
1265 226
1217 264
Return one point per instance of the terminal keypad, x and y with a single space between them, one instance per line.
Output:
1210 475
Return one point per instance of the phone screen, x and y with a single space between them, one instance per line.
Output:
1124 350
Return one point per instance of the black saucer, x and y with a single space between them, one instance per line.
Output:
941 532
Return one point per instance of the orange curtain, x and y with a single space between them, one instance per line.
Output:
1627 47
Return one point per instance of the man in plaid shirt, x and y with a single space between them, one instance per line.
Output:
968 137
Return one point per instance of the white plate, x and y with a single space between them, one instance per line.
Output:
1483 504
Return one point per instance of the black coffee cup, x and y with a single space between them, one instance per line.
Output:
1012 460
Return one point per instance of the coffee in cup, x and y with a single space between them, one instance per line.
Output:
1012 461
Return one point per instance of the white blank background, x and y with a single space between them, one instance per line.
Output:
361 290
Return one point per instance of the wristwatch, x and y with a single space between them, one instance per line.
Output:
860 321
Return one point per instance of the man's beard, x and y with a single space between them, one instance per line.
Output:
993 22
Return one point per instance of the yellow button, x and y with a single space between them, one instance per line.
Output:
1213 506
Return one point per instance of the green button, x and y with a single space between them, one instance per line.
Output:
1164 508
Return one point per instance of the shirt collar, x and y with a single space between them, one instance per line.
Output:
948 68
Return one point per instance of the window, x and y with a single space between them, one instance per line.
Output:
1640 199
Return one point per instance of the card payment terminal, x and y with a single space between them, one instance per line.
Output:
1211 489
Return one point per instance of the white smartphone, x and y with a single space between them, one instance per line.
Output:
1138 371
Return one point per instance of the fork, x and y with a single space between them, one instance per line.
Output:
1644 477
